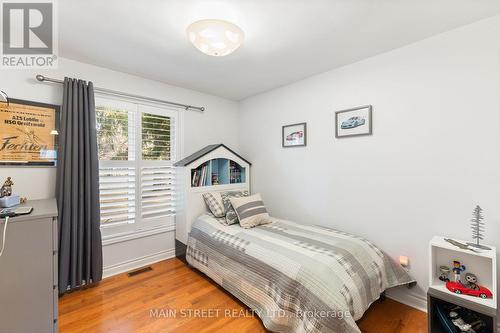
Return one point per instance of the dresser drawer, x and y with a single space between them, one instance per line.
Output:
26 278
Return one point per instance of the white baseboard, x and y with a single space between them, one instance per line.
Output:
407 297
137 263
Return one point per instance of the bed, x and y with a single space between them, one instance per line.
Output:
295 277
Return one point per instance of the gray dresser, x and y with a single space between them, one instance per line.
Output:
28 271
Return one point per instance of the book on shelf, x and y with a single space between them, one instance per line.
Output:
195 176
234 173
203 175
215 179
206 180
200 177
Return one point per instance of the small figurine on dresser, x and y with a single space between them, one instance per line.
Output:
458 268
445 273
7 199
6 190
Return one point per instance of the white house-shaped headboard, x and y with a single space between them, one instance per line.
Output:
215 168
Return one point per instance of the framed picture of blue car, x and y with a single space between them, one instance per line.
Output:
353 122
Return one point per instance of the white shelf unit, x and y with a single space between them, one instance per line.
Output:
189 203
218 172
482 263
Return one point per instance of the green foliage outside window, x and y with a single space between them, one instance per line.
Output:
156 133
112 133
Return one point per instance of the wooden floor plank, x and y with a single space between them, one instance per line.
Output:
124 304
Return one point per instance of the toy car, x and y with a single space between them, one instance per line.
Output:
352 122
294 136
459 288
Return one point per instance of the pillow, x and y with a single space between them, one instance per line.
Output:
251 211
214 203
231 217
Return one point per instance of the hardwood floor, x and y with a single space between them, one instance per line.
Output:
390 317
154 301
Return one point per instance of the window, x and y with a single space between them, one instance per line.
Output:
137 149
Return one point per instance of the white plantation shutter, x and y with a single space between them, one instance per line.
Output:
157 192
117 195
157 171
136 174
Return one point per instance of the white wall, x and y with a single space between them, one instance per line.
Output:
216 125
434 153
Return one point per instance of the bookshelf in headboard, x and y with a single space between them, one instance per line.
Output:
215 168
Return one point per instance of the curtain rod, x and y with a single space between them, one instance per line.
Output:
187 107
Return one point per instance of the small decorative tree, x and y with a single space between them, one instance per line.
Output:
477 227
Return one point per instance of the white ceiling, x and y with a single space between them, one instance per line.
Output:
286 40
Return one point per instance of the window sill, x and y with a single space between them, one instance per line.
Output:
141 233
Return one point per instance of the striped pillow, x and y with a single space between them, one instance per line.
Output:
231 217
214 203
251 211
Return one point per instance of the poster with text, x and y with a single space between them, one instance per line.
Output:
28 133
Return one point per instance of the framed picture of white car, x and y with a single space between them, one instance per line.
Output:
353 122
294 135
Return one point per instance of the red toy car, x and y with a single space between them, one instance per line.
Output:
459 288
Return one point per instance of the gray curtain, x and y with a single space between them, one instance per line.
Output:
80 245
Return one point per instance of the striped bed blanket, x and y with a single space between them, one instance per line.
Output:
295 277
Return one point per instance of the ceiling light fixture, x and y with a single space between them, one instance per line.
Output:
215 37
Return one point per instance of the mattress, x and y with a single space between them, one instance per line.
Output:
295 277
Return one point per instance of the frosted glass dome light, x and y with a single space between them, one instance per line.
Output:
215 37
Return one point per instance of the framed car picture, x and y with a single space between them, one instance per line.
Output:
294 135
353 122
28 133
